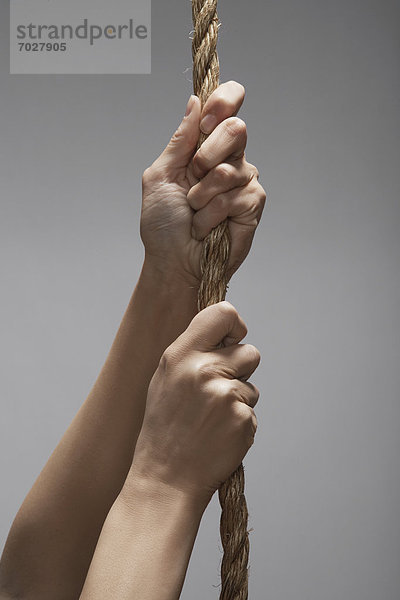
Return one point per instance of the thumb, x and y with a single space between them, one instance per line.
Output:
217 324
184 141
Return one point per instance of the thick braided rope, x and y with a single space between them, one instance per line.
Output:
214 262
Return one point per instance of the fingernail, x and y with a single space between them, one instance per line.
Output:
189 105
208 123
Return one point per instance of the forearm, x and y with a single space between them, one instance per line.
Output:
145 546
63 514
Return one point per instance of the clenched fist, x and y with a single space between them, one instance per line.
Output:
199 421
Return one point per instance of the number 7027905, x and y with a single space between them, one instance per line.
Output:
42 46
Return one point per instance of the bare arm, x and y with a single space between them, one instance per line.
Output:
185 194
144 547
199 424
54 535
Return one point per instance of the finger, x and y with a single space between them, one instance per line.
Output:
227 140
249 419
236 362
247 393
183 143
244 206
222 178
251 395
215 325
224 102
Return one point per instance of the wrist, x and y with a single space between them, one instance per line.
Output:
169 293
145 490
145 544
169 276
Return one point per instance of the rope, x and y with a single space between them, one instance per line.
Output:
214 283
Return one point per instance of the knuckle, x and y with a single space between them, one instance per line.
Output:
223 100
256 394
226 391
178 135
200 323
252 212
245 422
218 203
226 309
199 161
254 354
236 126
252 395
242 414
262 196
223 172
226 395
148 175
204 371
247 393
252 428
250 420
237 399
253 176
181 138
252 171
254 422
167 358
255 202
232 391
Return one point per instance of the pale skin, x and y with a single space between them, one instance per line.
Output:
95 482
198 425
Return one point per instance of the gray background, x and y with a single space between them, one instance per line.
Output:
320 292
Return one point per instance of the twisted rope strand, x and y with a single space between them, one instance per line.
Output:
214 283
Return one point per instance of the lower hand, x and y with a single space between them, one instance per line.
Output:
199 421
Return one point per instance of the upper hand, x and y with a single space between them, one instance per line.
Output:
187 193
